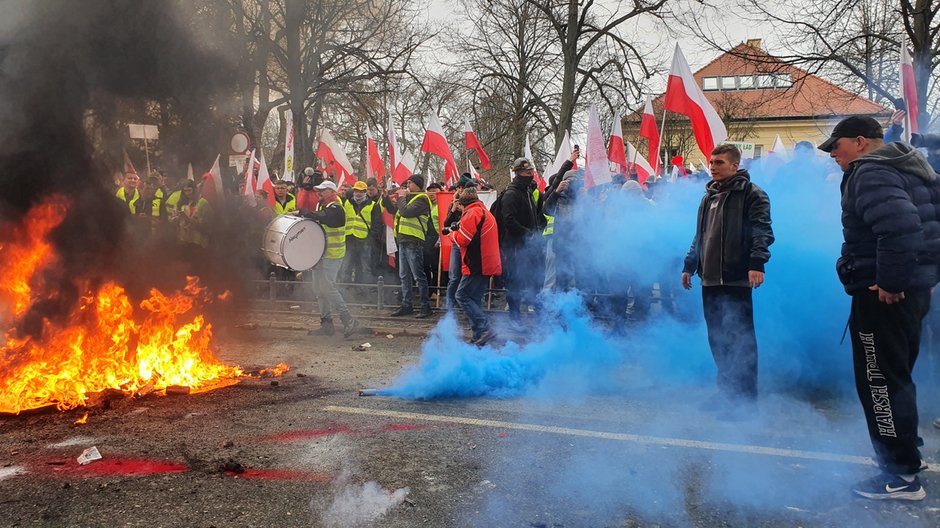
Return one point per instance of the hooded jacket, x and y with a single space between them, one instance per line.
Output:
479 241
520 213
733 233
890 221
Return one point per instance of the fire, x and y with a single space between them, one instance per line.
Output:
101 345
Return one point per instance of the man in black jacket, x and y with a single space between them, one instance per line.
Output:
891 226
519 221
729 251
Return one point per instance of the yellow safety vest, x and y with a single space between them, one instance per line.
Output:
358 224
132 204
157 202
415 227
549 225
192 231
289 207
335 238
435 221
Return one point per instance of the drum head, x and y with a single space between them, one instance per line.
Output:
295 243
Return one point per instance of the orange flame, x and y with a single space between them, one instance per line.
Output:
101 346
83 420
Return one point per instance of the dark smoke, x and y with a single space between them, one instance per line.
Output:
60 62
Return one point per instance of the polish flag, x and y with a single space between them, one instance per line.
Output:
908 91
398 169
527 152
643 168
264 181
683 96
473 171
597 169
128 166
212 184
615 152
564 152
650 131
436 143
474 143
779 149
375 167
250 183
332 153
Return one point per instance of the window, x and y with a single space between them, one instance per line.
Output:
728 83
758 150
782 81
765 81
710 83
745 82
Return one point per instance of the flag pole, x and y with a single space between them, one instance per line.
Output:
662 129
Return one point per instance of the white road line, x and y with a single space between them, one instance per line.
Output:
622 437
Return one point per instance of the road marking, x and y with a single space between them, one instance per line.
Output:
622 437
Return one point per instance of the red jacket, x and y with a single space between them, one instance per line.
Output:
479 253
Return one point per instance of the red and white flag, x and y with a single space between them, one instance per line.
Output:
436 143
527 152
375 167
779 149
212 184
615 152
264 181
473 142
397 157
684 96
643 168
564 152
908 91
330 152
650 131
473 171
128 166
597 169
288 146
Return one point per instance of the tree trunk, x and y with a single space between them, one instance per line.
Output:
293 18
570 53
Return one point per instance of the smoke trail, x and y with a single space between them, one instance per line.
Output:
356 505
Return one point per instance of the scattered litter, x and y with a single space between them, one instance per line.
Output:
73 441
471 445
295 307
409 502
248 326
368 392
143 391
390 336
177 390
301 375
362 347
89 455
12 471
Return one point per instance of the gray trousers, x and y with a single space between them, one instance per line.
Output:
324 277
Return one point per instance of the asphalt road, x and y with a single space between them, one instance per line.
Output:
308 451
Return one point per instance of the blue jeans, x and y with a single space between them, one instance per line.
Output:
411 269
324 276
470 298
453 276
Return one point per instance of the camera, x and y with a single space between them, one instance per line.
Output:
454 226
310 178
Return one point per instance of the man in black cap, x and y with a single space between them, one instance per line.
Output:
891 226
412 216
519 221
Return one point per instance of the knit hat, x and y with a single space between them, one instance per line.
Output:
418 180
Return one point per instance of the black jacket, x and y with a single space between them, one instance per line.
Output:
519 213
890 221
744 233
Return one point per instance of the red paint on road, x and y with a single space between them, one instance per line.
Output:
293 436
110 466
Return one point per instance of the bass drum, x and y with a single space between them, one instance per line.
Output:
294 243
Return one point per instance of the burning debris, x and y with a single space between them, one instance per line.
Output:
105 348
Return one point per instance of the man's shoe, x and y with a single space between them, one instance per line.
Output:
485 338
402 310
326 329
890 487
425 313
349 327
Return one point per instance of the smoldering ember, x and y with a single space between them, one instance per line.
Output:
485 263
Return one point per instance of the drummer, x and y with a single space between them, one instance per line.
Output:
331 216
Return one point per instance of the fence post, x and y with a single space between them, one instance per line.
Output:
380 286
272 287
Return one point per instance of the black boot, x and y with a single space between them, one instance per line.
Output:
326 328
402 310
424 313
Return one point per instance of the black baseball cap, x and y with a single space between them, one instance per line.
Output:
852 127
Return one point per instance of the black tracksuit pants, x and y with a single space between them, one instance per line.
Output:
885 344
729 316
